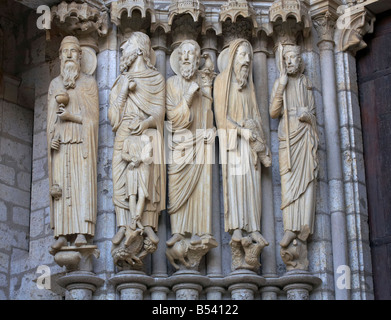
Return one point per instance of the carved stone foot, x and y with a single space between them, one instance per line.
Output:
60 242
118 236
80 240
175 238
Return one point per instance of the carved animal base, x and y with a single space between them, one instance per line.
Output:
76 258
295 255
186 256
246 253
132 249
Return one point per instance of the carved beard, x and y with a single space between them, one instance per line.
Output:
241 74
293 69
70 71
127 60
188 70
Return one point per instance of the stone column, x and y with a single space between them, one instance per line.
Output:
131 284
243 284
159 264
80 285
324 24
214 256
268 257
298 284
188 284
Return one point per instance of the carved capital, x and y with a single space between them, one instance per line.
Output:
353 23
82 20
289 19
136 22
194 8
324 25
235 8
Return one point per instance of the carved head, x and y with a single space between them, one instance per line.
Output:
189 58
70 57
242 63
138 44
292 59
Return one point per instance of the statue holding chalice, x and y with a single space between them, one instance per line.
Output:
72 133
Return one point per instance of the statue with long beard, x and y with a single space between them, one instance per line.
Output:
136 114
190 120
72 136
242 151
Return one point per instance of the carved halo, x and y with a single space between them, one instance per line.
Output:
88 60
222 60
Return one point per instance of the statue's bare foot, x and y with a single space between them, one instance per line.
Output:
237 235
195 239
151 235
257 236
287 239
175 238
118 236
60 242
80 240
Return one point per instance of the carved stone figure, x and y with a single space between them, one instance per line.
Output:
136 114
293 102
188 111
72 135
242 150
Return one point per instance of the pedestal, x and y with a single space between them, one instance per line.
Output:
80 285
298 284
188 284
243 284
131 284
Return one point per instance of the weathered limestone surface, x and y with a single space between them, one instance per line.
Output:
28 62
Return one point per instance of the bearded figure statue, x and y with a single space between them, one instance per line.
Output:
242 151
72 136
190 121
136 114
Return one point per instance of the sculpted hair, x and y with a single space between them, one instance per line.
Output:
144 45
196 46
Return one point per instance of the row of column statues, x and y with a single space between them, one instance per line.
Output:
164 144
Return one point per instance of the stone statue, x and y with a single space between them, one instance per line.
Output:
72 135
136 114
190 121
292 101
242 150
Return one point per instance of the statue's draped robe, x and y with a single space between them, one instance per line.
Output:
241 180
298 186
74 166
147 100
189 181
